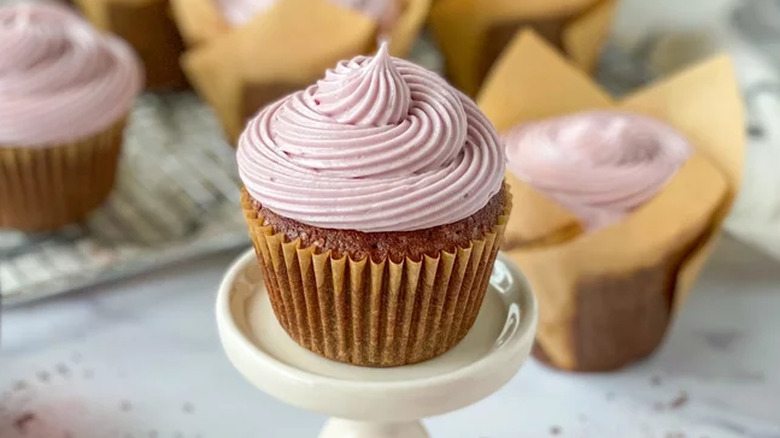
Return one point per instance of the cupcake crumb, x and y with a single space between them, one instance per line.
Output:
679 401
21 422
63 369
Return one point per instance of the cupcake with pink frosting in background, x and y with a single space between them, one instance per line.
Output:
376 204
399 21
617 204
617 225
65 93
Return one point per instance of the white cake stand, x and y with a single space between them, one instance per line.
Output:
370 402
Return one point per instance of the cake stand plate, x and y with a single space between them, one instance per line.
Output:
376 402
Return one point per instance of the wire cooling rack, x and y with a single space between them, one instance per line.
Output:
176 198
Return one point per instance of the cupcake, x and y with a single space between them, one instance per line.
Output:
65 93
376 205
399 21
617 204
148 27
472 34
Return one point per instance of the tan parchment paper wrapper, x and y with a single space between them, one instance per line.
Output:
200 21
473 33
43 188
606 298
148 27
276 53
368 312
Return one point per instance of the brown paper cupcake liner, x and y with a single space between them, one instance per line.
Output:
43 188
621 319
500 34
373 313
607 298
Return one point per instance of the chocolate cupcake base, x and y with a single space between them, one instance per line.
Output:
375 311
43 188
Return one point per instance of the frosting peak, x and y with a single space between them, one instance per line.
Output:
379 144
600 165
372 94
59 73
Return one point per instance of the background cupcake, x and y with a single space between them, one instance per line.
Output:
619 204
376 206
399 21
65 92
472 34
247 54
278 52
148 27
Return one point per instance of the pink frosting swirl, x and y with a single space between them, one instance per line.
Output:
239 12
379 144
60 79
600 165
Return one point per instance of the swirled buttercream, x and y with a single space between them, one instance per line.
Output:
60 79
238 12
378 144
600 165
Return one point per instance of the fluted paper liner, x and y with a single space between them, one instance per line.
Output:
148 27
606 298
43 188
200 21
473 33
373 313
274 54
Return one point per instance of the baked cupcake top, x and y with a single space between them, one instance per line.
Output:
60 79
378 145
600 165
385 12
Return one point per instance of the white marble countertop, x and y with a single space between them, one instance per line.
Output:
141 359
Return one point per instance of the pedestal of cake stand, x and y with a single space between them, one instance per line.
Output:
376 402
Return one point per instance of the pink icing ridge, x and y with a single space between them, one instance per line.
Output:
239 12
60 79
600 165
379 144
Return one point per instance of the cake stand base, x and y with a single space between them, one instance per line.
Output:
376 402
338 428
